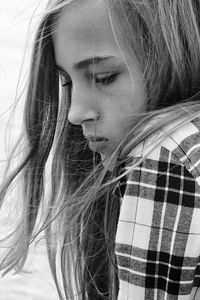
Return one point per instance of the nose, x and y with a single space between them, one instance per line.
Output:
83 107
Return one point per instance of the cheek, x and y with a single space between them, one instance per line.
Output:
121 106
126 113
127 106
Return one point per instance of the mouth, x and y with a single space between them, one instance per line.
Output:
95 139
97 143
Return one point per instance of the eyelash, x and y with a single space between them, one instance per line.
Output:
105 80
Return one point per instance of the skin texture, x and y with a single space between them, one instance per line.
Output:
105 95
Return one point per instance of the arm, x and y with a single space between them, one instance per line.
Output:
158 236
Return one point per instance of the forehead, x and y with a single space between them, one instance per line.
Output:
84 19
84 25
84 14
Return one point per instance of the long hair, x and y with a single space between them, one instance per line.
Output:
81 214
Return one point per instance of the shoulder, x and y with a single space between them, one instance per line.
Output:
184 145
184 139
175 144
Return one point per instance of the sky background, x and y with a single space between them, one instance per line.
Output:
15 38
15 17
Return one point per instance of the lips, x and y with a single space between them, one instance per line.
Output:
97 143
91 138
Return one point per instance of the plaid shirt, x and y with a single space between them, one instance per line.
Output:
158 233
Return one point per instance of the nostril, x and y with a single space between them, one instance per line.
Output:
88 121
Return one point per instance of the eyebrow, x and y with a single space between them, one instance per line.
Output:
86 63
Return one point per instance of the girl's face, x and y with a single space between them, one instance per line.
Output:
105 93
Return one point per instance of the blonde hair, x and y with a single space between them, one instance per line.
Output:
82 213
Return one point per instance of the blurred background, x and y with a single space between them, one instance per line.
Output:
16 35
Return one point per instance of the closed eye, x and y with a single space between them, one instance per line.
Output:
102 79
106 79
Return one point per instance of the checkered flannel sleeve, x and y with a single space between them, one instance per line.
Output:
158 234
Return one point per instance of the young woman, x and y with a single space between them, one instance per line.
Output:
113 105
